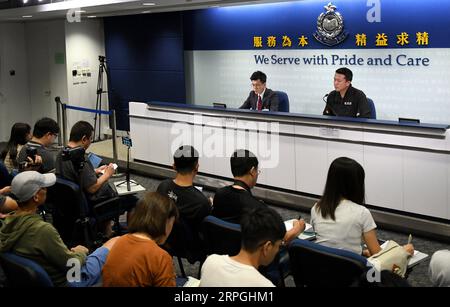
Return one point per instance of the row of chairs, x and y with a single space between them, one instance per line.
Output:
311 264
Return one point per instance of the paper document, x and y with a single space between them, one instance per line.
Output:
307 234
114 165
417 258
192 282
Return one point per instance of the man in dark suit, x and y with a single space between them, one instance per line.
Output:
260 98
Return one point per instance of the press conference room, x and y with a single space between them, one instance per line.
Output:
206 143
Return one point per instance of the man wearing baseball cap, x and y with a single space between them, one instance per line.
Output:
26 234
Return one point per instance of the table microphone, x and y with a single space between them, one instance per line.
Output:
328 109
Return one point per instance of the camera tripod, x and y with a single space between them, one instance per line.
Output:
98 106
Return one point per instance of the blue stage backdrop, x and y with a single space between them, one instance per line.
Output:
145 60
385 42
233 28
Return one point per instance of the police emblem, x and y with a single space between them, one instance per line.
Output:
330 27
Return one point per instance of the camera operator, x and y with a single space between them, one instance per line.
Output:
94 181
97 187
36 155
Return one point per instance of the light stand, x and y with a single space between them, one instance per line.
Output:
127 142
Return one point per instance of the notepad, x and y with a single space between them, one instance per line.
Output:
417 258
307 234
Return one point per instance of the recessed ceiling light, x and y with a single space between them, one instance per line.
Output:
148 3
92 16
27 16
80 11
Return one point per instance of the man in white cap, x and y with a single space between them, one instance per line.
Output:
26 234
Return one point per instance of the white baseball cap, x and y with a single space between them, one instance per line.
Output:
26 184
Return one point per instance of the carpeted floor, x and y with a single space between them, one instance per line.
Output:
417 278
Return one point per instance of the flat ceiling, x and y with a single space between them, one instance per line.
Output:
104 8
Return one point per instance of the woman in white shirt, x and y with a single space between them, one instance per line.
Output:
339 218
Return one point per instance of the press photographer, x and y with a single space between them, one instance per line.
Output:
36 154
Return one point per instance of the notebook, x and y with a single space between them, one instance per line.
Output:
307 234
417 258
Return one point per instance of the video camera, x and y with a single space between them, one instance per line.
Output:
31 153
75 155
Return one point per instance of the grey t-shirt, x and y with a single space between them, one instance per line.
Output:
65 169
352 221
47 155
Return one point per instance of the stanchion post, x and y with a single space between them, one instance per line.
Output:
58 118
114 132
64 124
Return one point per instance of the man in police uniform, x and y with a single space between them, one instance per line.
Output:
346 100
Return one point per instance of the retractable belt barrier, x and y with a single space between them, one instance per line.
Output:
66 107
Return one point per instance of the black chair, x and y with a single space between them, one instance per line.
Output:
23 272
74 218
315 265
5 177
184 243
283 101
373 111
220 237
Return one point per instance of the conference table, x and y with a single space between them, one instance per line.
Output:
406 163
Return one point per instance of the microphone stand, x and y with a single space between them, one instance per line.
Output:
328 107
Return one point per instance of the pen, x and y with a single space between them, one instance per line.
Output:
409 239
